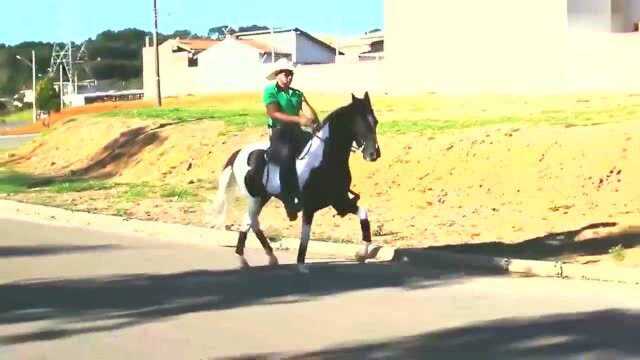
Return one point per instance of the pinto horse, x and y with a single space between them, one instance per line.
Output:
323 175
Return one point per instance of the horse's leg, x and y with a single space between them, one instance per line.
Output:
254 213
242 239
363 255
307 220
350 206
251 217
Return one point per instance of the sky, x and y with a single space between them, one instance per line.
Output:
78 20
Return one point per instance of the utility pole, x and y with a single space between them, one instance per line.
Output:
157 56
273 44
33 79
61 88
70 69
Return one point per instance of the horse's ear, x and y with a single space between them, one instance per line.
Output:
366 97
353 98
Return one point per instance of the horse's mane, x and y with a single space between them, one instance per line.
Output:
335 114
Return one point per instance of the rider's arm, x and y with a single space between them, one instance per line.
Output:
307 105
274 112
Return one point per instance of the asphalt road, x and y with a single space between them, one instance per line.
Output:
11 142
71 293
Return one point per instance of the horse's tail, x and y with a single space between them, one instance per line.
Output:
217 211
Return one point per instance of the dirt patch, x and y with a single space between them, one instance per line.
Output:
501 184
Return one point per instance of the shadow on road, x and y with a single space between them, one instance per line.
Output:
45 250
608 334
110 303
554 246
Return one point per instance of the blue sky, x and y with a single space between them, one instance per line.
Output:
77 20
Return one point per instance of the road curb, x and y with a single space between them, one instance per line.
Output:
197 235
179 233
541 268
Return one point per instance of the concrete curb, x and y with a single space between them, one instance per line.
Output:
540 268
178 233
201 236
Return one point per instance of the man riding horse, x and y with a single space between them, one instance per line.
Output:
317 179
284 106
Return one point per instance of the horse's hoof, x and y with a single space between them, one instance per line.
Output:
273 260
303 269
244 264
361 257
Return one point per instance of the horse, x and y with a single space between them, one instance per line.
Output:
323 172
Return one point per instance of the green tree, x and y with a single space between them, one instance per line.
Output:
219 32
48 98
252 28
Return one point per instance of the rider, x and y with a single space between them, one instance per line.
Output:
284 106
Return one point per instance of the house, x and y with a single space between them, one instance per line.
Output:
234 64
363 48
375 51
506 46
604 15
300 47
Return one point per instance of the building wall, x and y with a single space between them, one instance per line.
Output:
618 15
309 52
591 15
176 78
282 41
148 73
603 62
632 17
341 78
531 50
471 45
230 66
604 15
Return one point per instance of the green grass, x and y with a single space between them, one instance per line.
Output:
13 182
177 193
122 212
25 115
235 118
438 113
135 192
431 113
617 253
78 186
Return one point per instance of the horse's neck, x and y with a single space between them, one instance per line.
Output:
339 146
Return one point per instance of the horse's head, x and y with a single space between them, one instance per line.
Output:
364 127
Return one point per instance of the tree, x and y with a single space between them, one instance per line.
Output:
252 28
48 98
182 34
220 32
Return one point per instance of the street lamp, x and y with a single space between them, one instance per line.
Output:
157 55
32 64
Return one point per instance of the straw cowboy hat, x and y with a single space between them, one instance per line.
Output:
280 65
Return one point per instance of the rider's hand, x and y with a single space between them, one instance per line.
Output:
305 120
316 125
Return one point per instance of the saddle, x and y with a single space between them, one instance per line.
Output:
258 161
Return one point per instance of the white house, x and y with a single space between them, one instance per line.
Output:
234 64
300 46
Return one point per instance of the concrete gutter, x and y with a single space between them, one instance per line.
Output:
555 269
202 236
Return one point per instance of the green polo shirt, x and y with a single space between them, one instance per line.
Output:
290 101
